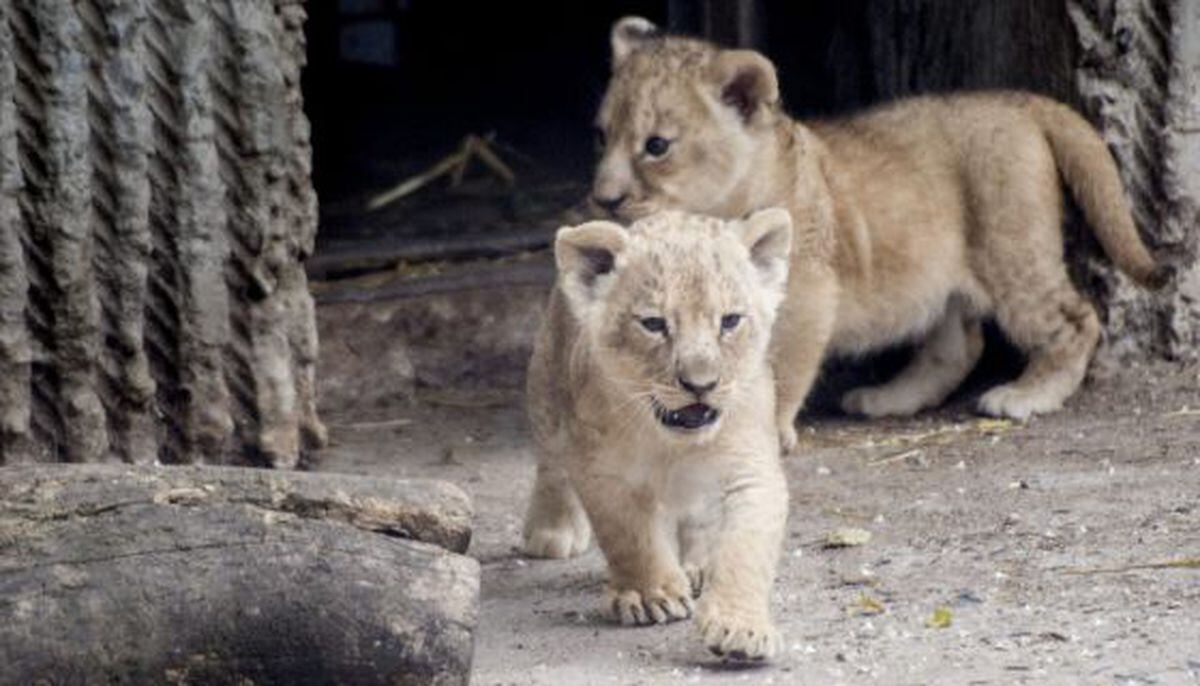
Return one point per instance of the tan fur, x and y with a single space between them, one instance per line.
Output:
672 509
913 221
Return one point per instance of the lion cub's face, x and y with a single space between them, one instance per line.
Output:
679 122
677 310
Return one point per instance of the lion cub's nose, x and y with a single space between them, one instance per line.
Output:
610 204
697 389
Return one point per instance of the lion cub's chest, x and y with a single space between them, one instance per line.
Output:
678 480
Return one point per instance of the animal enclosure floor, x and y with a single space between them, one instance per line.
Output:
1064 550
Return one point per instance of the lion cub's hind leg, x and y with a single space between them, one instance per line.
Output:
1019 260
556 525
799 342
1058 333
941 362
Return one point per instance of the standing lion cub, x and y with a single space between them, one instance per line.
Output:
913 221
652 403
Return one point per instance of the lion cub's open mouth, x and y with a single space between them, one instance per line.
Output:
687 418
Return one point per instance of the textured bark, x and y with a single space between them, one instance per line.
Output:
15 353
113 574
155 208
1138 79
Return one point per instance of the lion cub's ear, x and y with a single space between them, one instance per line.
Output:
767 234
746 81
628 34
586 256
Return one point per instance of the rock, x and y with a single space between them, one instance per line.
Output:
222 575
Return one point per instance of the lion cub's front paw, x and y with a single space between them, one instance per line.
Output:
736 636
655 603
788 438
557 540
883 401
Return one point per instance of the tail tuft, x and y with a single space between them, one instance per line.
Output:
1159 277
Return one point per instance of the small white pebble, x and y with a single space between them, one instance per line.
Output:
823 470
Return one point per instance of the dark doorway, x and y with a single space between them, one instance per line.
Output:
394 86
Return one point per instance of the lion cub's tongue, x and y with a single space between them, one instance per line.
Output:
695 415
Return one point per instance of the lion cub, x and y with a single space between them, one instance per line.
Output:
652 405
914 221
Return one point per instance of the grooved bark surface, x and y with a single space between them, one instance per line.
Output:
115 574
1138 76
155 206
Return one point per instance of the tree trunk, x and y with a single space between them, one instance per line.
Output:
155 207
113 574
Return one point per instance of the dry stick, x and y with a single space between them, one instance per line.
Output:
481 149
898 457
523 275
382 424
414 183
333 261
1182 563
454 164
467 148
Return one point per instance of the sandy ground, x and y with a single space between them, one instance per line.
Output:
1047 545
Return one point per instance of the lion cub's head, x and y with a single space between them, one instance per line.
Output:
676 311
679 123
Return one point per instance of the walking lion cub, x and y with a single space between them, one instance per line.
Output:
913 221
653 404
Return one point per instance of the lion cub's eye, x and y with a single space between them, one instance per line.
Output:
654 324
730 322
657 146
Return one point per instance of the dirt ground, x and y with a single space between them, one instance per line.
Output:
1065 550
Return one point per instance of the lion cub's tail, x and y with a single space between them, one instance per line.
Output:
1090 172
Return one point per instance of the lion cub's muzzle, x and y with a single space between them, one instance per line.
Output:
687 418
